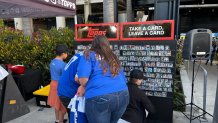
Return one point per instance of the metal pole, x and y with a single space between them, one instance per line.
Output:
177 19
205 90
75 19
215 113
75 23
188 65
115 11
193 78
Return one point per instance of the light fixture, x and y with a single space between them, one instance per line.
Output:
212 10
113 28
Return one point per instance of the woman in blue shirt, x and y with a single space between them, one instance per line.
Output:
102 76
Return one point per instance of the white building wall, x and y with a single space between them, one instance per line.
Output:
18 23
60 22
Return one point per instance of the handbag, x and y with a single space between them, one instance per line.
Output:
77 113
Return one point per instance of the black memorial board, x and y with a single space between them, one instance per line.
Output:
156 58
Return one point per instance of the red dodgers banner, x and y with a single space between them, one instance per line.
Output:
86 32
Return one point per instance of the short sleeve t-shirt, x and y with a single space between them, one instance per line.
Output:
56 69
67 86
99 83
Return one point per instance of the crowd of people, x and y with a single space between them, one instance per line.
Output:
97 75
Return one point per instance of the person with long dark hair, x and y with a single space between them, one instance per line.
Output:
102 76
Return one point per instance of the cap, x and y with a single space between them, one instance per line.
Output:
61 48
137 74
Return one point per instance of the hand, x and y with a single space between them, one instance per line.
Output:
76 79
80 91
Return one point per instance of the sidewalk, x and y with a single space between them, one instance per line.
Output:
46 115
212 72
211 85
36 115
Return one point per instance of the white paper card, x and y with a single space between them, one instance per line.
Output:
3 73
122 121
81 105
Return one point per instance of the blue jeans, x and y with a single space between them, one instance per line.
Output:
107 108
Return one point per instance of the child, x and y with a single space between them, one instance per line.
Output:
67 85
56 68
135 111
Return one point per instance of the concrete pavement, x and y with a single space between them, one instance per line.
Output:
46 115
211 85
212 72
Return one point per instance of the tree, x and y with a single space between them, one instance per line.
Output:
1 23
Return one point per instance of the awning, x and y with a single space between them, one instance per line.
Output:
37 8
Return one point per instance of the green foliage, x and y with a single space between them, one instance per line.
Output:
179 59
178 97
35 52
1 23
11 43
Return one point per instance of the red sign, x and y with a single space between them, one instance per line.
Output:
130 31
149 30
93 32
86 32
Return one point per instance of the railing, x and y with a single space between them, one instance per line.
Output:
205 89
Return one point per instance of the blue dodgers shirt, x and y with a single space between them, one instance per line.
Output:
56 68
99 83
67 86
